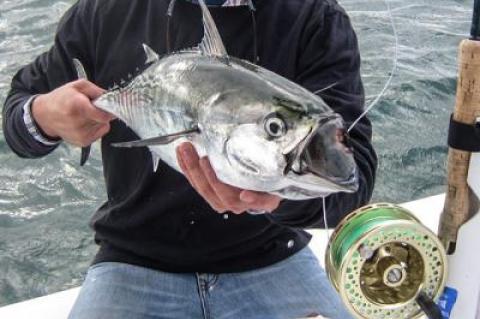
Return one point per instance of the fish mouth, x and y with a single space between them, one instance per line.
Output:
324 157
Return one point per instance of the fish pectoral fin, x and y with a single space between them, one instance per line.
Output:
212 43
159 140
151 55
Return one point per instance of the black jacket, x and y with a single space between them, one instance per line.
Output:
156 219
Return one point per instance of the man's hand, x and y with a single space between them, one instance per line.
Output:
68 113
220 196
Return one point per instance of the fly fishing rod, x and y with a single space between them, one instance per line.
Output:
460 220
475 30
464 139
385 264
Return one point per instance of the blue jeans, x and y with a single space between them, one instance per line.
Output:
293 288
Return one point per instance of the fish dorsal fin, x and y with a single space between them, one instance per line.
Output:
81 73
151 55
212 43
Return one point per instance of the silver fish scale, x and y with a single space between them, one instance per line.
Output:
148 108
155 103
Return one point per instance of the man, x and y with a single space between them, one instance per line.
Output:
182 246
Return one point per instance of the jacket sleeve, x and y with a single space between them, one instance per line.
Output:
331 56
48 71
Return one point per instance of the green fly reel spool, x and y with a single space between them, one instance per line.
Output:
380 258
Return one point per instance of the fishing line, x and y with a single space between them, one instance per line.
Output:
374 102
325 88
394 68
325 222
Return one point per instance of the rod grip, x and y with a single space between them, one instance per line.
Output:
460 201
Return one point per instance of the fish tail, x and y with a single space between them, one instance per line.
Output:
82 74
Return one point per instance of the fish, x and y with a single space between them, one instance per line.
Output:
260 131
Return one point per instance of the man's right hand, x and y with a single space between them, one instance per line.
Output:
68 113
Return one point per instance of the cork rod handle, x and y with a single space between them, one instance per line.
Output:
460 202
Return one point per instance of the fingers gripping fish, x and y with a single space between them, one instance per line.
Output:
260 131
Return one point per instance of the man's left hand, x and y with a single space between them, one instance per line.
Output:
220 196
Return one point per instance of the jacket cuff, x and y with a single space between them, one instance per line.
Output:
33 128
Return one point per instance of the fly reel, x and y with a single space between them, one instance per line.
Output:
380 258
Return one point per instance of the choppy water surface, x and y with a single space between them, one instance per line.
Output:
45 204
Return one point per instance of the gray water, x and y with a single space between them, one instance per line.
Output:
45 204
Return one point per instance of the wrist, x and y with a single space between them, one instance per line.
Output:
41 117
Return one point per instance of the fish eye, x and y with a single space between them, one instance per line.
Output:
274 125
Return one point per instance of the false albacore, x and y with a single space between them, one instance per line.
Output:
259 130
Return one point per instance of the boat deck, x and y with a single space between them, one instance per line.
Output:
58 305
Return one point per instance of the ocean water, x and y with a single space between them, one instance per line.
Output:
45 204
